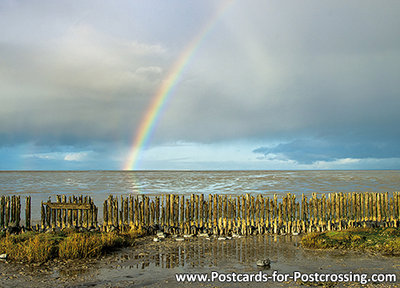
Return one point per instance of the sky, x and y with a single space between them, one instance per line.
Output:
266 85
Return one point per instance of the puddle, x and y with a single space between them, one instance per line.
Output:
155 262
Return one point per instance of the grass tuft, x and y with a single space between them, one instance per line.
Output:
381 240
28 248
41 247
77 246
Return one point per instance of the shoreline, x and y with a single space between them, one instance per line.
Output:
154 264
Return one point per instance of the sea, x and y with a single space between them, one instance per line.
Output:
44 185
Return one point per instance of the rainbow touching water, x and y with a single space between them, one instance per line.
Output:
162 95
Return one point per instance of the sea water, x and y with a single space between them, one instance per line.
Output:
99 184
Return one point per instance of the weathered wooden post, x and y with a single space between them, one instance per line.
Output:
215 215
58 212
95 212
206 214
176 213
115 211
201 212
121 214
167 210
8 207
251 216
152 213
396 200
136 213
196 211
48 216
172 211
105 215
267 216
2 210
224 217
322 214
80 214
42 216
187 217
27 212
387 210
17 210
64 212
244 214
238 217
69 214
378 205
248 212
182 214
210 212
220 215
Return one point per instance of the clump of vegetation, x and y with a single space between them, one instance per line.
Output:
77 246
382 240
68 244
28 247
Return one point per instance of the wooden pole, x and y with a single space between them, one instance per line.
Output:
225 214
8 207
121 214
136 213
215 214
152 213
210 212
229 216
220 215
18 211
2 210
196 211
176 212
167 210
201 212
64 212
188 217
206 214
42 216
27 212
182 213
379 206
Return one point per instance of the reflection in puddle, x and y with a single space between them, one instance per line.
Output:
201 252
152 262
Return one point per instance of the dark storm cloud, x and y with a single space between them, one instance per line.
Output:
79 90
320 70
78 73
308 151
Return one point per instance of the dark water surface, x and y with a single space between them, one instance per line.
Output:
99 184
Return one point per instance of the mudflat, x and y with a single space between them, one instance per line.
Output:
156 264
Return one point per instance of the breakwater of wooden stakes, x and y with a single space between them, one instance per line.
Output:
213 214
249 214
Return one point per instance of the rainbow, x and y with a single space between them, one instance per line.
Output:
161 97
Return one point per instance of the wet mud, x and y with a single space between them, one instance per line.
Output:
154 264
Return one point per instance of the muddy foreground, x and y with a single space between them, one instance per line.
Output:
154 264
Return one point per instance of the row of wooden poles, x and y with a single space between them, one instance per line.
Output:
248 214
75 212
216 214
10 211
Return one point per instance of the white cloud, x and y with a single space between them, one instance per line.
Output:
61 156
77 156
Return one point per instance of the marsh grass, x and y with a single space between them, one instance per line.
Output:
41 247
29 248
382 240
